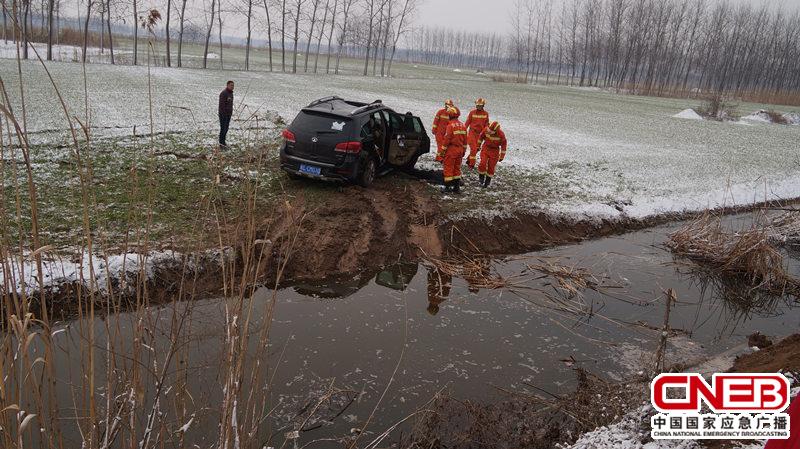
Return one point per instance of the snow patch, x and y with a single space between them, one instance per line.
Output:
759 116
92 271
688 114
792 118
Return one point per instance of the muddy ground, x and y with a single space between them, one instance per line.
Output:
334 231
402 217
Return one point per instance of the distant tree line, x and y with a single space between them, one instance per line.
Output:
656 47
368 29
645 46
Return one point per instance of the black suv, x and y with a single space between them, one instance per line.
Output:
336 139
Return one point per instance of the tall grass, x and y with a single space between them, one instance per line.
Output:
130 386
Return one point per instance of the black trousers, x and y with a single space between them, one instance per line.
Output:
224 123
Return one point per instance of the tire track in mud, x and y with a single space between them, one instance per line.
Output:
356 228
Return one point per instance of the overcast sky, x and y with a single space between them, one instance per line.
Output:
493 15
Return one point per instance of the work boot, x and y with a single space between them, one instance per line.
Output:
481 178
447 187
487 181
457 187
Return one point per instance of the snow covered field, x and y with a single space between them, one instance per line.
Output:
610 154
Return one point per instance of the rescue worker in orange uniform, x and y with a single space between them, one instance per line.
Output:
492 151
452 149
477 121
440 122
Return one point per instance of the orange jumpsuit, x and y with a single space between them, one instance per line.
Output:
476 122
452 149
494 149
439 127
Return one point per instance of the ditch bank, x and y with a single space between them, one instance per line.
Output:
328 233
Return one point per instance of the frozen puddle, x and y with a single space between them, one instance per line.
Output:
465 339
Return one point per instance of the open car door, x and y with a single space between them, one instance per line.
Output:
407 139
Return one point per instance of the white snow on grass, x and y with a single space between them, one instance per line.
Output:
607 149
688 114
628 433
792 118
60 52
759 116
95 272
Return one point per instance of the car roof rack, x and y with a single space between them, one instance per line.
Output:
323 100
373 105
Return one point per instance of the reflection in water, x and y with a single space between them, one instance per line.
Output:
439 284
488 336
739 300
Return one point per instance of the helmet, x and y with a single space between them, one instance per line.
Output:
453 112
448 103
494 127
480 102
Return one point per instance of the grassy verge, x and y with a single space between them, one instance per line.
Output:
174 176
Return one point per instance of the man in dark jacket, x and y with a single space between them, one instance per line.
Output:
225 111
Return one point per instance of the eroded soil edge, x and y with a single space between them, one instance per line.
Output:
349 230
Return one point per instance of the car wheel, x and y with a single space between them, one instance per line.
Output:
367 174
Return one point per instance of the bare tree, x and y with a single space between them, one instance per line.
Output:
219 19
208 34
249 34
269 33
405 14
51 4
26 9
135 32
110 36
371 13
330 36
180 32
346 6
283 35
321 33
85 28
310 35
166 32
298 7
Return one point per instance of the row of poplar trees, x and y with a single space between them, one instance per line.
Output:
368 29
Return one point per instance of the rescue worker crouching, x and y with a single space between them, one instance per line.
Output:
492 151
440 122
452 150
477 121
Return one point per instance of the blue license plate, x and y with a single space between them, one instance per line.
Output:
310 169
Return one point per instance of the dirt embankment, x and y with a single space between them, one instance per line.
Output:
784 355
352 228
337 232
400 217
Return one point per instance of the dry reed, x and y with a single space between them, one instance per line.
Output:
748 254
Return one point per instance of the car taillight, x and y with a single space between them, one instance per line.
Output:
349 147
288 136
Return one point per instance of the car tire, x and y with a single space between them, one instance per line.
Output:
368 171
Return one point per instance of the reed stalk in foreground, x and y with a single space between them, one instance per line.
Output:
115 392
